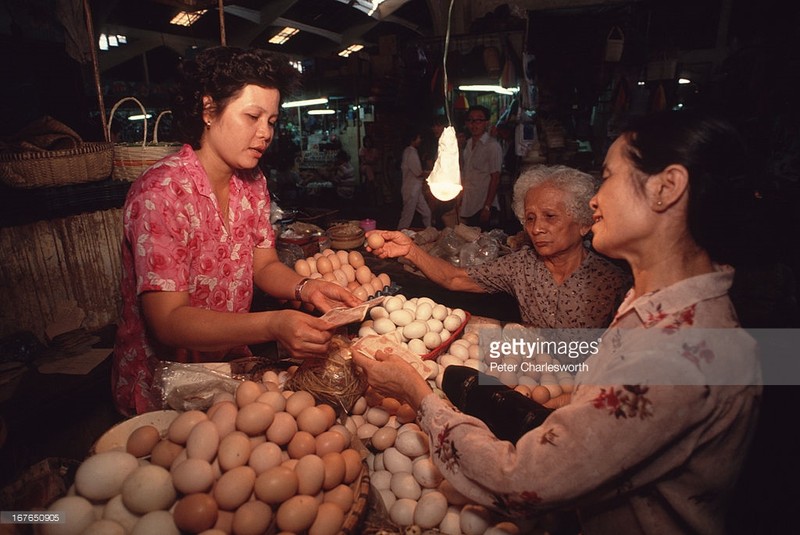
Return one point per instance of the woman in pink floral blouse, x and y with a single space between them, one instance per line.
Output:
655 433
197 234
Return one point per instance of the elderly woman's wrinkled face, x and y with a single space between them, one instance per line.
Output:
552 229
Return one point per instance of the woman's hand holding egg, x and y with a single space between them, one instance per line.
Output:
388 243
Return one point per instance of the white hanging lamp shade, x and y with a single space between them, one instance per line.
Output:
445 178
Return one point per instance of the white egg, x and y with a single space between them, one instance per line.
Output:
394 461
445 334
423 312
426 472
439 312
388 498
452 322
412 444
417 346
459 351
366 331
446 359
432 340
474 519
378 312
380 479
435 325
402 511
431 509
100 476
431 369
475 364
472 337
383 325
460 313
403 485
393 303
401 317
451 523
77 512
415 329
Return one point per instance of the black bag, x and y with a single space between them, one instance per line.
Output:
508 413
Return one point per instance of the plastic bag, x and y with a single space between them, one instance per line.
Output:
186 387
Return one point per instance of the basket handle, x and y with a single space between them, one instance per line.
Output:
144 114
158 120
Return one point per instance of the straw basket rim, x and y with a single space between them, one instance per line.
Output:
90 162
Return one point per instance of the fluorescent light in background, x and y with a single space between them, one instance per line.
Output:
308 102
684 81
112 40
321 112
298 65
284 35
490 88
102 43
123 39
186 18
350 49
139 117
640 82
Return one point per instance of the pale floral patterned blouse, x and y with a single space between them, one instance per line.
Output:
585 299
654 436
175 240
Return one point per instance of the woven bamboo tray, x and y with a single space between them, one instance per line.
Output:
41 169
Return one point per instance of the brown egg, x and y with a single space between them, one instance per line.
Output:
178 431
234 450
255 418
385 280
330 414
142 441
341 278
297 513
341 495
363 274
165 452
193 475
353 465
234 487
334 470
344 257
302 444
203 441
282 429
375 240
274 399
360 292
355 259
302 267
310 472
335 262
330 441
313 420
390 405
328 252
224 417
195 513
349 272
324 265
298 401
329 520
247 392
252 518
353 285
540 394
276 485
405 414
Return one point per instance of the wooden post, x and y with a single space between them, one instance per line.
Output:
96 69
222 39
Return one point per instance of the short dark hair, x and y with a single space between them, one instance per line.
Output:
714 154
221 72
483 109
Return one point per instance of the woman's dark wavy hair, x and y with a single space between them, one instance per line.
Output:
221 72
714 154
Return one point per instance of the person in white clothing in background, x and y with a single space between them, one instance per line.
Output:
413 184
482 161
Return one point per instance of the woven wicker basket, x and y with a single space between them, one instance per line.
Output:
89 162
132 159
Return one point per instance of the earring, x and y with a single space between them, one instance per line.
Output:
208 124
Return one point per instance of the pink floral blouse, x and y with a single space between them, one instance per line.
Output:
175 241
654 436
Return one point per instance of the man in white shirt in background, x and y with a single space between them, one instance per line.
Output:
481 164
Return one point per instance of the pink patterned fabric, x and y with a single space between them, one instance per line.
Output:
655 433
175 241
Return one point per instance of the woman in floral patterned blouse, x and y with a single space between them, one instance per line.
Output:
559 283
659 423
197 234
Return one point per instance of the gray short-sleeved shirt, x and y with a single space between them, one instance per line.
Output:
588 298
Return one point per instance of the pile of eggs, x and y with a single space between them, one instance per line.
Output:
260 458
420 323
345 268
411 488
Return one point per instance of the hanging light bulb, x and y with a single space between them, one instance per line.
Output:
445 178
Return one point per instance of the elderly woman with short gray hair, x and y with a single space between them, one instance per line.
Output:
559 283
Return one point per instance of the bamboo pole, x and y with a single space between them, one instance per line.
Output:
222 39
96 70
